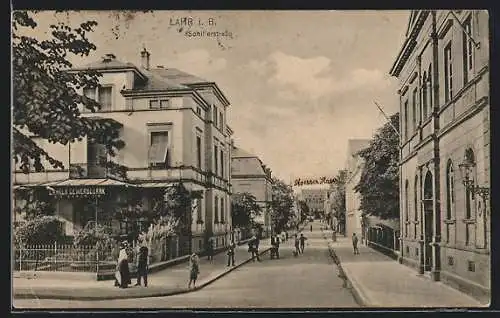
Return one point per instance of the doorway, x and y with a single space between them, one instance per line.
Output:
428 222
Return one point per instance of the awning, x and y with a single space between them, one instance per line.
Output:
87 182
156 184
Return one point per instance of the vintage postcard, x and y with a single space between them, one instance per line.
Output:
251 159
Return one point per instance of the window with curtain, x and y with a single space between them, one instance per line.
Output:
424 97
216 162
416 206
414 110
405 121
158 150
222 163
105 98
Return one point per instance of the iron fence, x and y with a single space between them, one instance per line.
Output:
65 258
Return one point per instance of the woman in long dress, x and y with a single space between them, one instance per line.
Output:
194 270
123 278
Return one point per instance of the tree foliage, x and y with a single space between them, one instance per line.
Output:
281 205
338 193
243 205
303 209
40 230
379 182
46 94
94 234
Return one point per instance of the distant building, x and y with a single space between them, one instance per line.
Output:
249 174
175 129
444 90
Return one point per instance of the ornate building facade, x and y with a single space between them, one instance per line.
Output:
443 73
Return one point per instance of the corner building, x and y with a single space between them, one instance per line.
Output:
443 73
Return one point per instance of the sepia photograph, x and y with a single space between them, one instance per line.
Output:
231 160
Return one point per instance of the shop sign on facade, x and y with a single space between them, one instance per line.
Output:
80 191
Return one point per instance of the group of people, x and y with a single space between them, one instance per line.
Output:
122 274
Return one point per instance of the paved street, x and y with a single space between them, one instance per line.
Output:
383 282
309 280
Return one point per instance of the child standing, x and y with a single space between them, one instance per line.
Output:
194 270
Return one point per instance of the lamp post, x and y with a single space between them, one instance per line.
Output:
466 169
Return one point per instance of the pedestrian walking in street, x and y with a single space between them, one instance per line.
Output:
275 245
230 254
302 242
122 275
142 266
297 246
283 236
210 249
194 269
355 243
286 235
311 227
253 247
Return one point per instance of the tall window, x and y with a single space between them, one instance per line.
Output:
105 98
469 199
199 215
415 207
424 96
407 208
222 163
158 149
450 191
216 155
198 152
216 210
468 51
448 73
405 121
222 210
430 88
215 116
221 120
414 110
90 92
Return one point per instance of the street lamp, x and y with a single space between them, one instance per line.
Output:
466 168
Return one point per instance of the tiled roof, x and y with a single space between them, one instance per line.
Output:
156 82
177 76
241 153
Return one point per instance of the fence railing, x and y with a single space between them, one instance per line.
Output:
384 239
62 257
70 258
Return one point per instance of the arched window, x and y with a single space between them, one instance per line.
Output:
450 191
407 208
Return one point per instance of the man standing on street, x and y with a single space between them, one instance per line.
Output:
142 266
302 242
230 254
355 243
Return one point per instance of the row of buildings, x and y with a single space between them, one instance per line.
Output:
444 230
175 129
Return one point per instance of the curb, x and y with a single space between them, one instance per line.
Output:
31 295
355 290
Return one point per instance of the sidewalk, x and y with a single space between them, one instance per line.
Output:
379 281
170 281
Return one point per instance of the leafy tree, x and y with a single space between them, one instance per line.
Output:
281 205
40 230
338 193
242 207
45 92
304 210
379 182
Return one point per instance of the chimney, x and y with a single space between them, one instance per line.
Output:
145 59
108 57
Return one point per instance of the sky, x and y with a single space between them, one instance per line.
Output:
300 83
